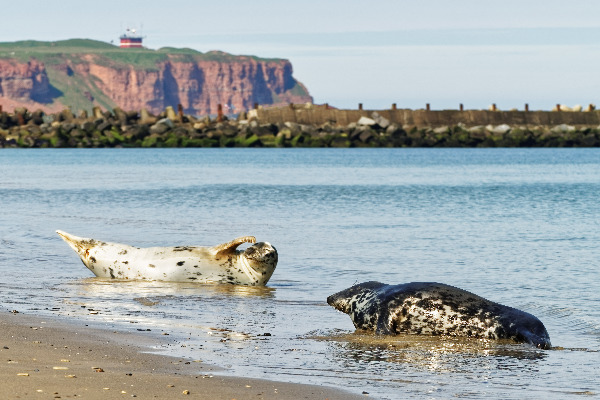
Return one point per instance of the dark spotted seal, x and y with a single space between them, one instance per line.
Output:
436 309
218 264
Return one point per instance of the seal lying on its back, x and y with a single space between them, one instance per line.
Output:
436 309
219 264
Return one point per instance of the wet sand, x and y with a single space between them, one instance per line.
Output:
47 358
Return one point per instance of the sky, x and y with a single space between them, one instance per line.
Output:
376 52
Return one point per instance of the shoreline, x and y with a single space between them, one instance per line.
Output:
49 357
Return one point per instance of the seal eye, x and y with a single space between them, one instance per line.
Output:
251 252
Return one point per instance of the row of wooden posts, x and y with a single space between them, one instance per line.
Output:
360 107
461 107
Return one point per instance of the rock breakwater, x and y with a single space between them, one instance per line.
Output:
118 128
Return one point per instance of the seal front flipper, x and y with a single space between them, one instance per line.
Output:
382 330
383 327
229 247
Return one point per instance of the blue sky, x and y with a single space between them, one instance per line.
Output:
375 52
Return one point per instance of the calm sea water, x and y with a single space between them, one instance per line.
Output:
517 226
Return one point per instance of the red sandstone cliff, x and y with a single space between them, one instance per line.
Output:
237 82
24 82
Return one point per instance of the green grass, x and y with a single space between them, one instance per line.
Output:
175 50
103 100
58 52
298 90
58 45
73 90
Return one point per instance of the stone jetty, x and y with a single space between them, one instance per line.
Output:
118 128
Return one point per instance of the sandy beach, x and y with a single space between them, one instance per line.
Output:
48 358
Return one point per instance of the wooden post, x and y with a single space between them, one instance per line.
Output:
180 112
461 107
494 107
327 106
526 107
20 119
427 107
219 113
394 106
558 107
360 106
256 106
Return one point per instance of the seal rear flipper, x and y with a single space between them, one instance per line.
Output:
67 237
77 243
229 247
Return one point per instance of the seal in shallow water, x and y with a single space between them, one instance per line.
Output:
218 264
436 309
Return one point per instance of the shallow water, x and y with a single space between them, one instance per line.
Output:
517 226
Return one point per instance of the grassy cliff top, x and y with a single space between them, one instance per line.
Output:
74 49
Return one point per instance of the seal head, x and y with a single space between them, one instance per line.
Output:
261 260
436 309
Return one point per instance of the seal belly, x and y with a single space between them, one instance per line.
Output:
191 264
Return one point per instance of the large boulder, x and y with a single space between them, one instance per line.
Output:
171 113
162 126
498 130
97 112
146 118
66 115
379 120
563 128
366 121
120 115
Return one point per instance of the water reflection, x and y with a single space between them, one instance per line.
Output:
361 350
110 287
167 304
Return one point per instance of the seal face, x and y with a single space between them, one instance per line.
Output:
218 264
436 309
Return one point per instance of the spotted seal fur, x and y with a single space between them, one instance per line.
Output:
436 309
218 264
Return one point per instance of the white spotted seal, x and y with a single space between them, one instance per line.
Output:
218 264
436 309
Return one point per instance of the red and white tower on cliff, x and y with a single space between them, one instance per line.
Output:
131 39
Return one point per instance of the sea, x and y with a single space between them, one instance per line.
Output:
517 226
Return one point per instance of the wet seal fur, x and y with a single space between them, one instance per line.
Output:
436 309
218 264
